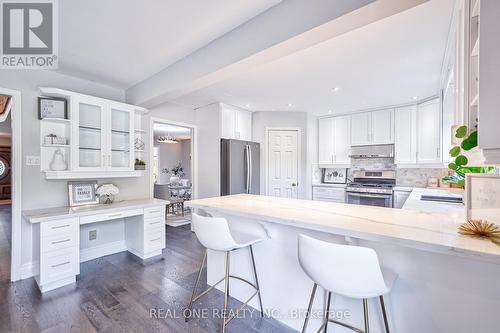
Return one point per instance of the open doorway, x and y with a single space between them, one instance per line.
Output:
173 168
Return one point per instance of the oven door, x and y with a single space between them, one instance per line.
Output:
369 199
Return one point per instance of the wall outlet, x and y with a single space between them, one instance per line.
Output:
32 160
92 234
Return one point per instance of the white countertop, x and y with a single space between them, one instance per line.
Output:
434 232
328 185
49 214
414 203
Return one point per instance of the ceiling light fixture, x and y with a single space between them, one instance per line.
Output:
247 105
289 105
336 89
415 97
167 139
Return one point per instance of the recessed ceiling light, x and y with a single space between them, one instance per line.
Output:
415 97
329 111
336 89
247 105
290 104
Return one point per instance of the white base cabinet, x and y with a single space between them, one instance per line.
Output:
330 194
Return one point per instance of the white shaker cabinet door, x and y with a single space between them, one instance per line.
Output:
382 127
406 135
361 124
244 125
342 139
228 123
429 132
325 141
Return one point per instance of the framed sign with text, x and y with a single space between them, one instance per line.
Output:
82 193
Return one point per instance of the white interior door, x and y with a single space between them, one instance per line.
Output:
283 163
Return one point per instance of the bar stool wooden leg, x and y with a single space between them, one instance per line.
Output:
384 314
226 293
365 312
256 282
308 313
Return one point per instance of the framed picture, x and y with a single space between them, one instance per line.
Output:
334 175
482 197
52 107
82 193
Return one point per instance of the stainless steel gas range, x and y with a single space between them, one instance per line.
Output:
372 188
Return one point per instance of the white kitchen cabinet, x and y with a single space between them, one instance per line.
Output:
329 193
334 141
105 139
429 132
400 198
342 140
236 123
97 137
405 135
361 125
373 128
326 149
382 127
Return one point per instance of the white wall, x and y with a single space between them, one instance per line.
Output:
34 186
263 119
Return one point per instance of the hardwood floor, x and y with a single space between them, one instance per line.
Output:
116 294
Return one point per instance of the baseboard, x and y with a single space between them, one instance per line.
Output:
30 269
102 250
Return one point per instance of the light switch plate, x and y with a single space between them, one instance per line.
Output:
32 160
92 234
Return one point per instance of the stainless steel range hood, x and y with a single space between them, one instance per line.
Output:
376 151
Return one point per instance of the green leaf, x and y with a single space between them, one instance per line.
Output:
461 132
461 160
461 182
455 151
467 145
452 166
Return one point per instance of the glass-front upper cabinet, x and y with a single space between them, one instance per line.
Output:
121 137
89 151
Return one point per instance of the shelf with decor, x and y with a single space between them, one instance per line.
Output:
94 139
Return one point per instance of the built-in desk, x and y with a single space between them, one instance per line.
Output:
58 232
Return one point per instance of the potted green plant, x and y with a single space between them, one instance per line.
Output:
177 172
459 165
140 164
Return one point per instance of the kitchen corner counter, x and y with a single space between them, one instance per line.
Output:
429 231
413 203
49 214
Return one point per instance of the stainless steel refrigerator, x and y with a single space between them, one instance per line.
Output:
240 167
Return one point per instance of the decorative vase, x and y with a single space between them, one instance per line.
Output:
107 199
174 180
58 163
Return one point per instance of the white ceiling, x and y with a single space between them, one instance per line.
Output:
388 62
178 132
123 42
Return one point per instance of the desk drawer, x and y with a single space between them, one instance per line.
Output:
110 216
157 211
154 239
59 241
153 223
59 265
59 227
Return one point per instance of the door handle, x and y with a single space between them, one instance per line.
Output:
293 184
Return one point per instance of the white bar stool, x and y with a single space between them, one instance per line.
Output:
349 271
214 234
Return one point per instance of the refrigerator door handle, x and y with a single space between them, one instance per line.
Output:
250 172
247 167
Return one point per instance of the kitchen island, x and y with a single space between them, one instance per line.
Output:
436 290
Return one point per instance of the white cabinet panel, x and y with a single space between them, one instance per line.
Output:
361 129
120 137
405 135
342 139
326 149
235 123
330 194
429 132
228 123
382 127
244 125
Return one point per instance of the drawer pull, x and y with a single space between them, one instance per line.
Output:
62 264
151 223
61 241
61 226
154 211
115 215
154 240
